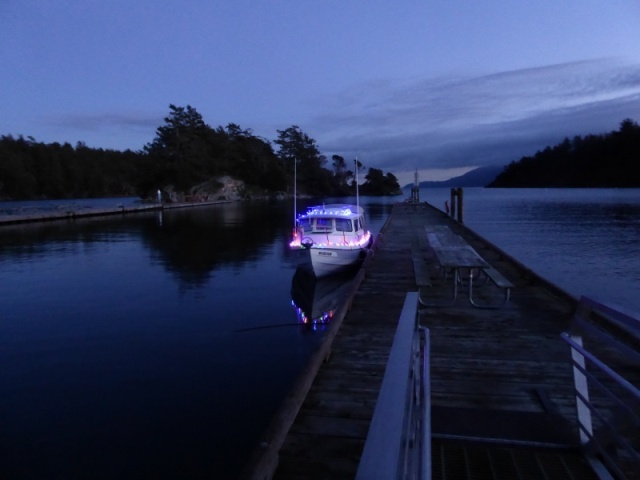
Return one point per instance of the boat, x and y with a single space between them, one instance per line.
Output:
335 235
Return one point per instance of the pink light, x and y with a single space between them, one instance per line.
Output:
324 318
360 243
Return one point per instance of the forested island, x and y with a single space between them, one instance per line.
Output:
607 161
187 158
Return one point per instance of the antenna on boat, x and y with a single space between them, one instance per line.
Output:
295 193
357 187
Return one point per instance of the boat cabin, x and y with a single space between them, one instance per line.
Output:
331 219
325 224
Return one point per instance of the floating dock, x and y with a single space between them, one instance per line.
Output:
72 212
500 387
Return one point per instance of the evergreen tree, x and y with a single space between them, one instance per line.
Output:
609 160
297 146
184 153
182 149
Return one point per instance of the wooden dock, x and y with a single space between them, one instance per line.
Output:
502 390
72 212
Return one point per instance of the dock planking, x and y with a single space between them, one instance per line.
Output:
508 365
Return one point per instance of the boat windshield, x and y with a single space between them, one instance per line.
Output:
324 224
344 225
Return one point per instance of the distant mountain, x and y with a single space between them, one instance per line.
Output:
479 177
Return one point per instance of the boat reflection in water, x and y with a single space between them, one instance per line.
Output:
317 299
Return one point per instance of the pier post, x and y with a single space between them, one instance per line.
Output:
415 190
453 203
457 204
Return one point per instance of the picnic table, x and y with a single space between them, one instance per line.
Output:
455 255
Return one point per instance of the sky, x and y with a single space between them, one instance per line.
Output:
435 86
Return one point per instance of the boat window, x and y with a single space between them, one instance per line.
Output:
304 223
343 225
356 222
324 224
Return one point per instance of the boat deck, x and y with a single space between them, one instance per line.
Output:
502 395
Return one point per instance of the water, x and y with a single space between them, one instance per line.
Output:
587 241
158 345
136 347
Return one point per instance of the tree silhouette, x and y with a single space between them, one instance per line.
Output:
185 153
610 160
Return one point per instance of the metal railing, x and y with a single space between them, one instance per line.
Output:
416 443
608 404
398 445
425 451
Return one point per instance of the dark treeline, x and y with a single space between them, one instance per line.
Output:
609 160
33 170
185 154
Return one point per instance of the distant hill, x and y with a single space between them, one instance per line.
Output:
479 177
596 161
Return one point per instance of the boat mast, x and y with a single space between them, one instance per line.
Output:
295 193
357 187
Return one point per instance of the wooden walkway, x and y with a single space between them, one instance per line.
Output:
502 394
72 212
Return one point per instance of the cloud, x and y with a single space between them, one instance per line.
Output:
123 130
105 121
457 121
448 121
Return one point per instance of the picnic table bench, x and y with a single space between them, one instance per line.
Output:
454 255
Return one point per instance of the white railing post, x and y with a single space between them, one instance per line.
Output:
582 388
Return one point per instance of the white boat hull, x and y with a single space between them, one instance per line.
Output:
327 261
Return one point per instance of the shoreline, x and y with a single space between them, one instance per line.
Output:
72 214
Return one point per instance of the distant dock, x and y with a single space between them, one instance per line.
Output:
72 213
499 388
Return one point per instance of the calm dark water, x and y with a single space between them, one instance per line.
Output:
159 345
587 241
147 346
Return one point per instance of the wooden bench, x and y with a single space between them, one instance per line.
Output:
497 278
421 272
420 267
499 281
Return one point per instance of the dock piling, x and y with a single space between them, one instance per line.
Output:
457 206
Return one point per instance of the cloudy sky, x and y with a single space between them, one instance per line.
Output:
440 86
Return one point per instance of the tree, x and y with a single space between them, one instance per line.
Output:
181 127
391 185
297 146
339 165
341 174
358 166
608 160
182 148
185 153
377 183
253 159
